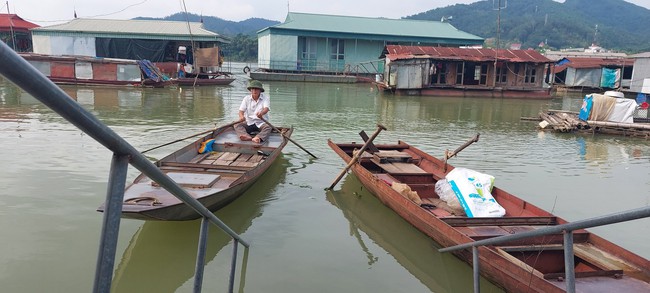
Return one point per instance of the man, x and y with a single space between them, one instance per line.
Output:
254 107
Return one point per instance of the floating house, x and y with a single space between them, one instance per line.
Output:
640 82
154 40
316 45
97 71
592 73
477 72
14 31
166 43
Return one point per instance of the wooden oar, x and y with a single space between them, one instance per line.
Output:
291 140
193 135
355 157
172 142
449 155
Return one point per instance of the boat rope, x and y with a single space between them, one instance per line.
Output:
137 200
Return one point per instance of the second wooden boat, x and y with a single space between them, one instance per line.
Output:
529 265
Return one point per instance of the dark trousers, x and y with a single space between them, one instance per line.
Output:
242 129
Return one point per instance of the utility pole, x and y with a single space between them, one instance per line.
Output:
496 55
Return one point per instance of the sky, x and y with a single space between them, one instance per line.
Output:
50 12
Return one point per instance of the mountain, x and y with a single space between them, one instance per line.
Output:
223 27
611 24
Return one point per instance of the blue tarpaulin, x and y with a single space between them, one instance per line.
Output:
587 103
609 78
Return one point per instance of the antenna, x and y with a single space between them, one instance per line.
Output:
595 36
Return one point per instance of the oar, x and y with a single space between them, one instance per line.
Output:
291 140
355 157
449 155
182 139
172 142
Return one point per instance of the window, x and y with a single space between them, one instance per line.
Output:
480 73
438 72
308 48
502 73
337 49
460 72
531 74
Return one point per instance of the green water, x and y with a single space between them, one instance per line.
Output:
303 238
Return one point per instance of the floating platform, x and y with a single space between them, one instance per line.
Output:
567 121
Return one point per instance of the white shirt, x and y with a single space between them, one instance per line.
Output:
251 107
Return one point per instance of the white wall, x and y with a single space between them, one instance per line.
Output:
640 73
62 45
284 54
263 51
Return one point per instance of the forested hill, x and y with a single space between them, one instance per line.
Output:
229 28
613 24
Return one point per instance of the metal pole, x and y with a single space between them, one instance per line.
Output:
233 265
628 215
200 255
111 224
477 270
569 263
20 72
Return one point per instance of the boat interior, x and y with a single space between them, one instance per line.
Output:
204 173
542 255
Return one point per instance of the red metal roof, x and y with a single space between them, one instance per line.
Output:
588 62
13 21
396 52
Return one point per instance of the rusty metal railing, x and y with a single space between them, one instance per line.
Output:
567 229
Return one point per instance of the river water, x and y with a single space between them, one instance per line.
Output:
303 238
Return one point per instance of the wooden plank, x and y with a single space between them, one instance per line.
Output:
226 159
504 221
256 158
199 158
587 274
215 155
203 166
228 156
401 168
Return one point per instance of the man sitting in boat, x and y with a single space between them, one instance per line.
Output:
254 110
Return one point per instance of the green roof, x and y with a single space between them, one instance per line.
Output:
319 23
146 29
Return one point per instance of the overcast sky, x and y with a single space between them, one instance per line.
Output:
49 12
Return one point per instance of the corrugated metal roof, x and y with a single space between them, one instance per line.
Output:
13 21
641 55
396 52
584 63
140 27
373 26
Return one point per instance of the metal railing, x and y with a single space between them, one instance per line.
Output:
20 72
567 229
336 67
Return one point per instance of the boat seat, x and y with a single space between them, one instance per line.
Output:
192 180
382 157
485 232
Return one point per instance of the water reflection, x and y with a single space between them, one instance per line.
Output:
411 249
161 256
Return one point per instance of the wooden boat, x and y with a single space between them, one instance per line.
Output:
529 265
214 178
87 70
205 79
